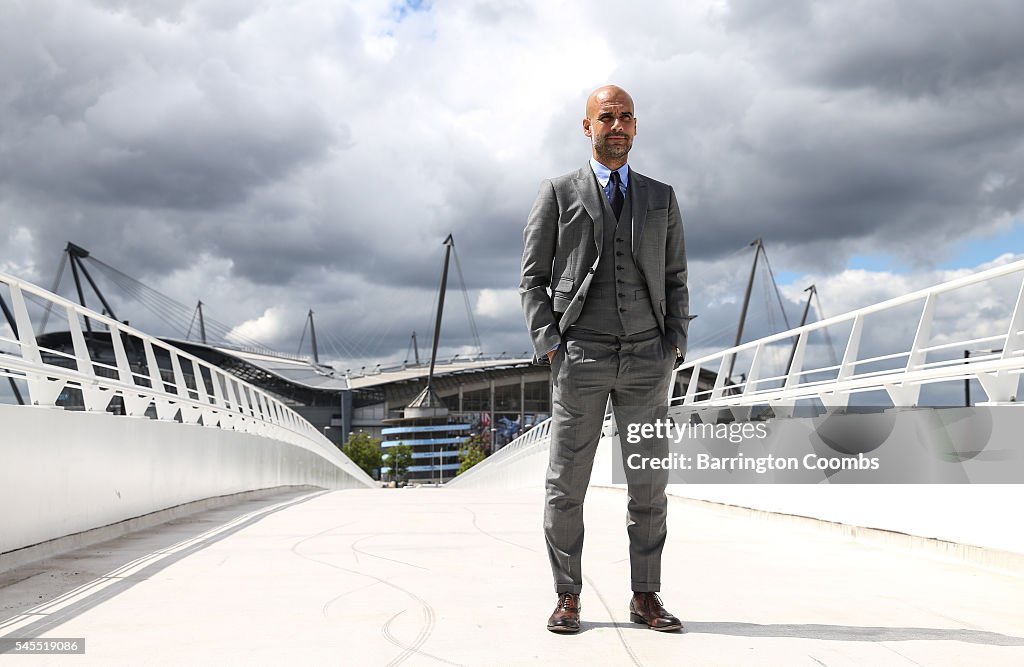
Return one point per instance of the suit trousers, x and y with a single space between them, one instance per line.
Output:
588 369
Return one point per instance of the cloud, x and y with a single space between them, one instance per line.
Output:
265 327
497 303
272 157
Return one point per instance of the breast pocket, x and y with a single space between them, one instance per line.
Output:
561 295
657 216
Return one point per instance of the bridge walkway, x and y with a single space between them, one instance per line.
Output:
427 576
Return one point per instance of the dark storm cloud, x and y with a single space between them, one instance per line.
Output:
275 157
145 129
876 122
911 49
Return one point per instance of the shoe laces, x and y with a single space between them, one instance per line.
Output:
656 598
565 601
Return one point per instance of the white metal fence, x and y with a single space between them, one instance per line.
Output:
509 461
934 356
169 384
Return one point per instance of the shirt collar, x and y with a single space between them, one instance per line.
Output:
603 173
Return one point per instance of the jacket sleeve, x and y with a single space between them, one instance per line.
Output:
539 242
677 296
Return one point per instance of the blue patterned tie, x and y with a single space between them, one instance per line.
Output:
617 198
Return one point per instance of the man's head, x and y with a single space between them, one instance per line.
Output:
610 124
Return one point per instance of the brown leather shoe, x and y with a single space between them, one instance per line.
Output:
566 617
647 608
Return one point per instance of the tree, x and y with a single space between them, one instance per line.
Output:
399 458
470 453
469 457
364 451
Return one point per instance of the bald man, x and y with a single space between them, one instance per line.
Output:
604 293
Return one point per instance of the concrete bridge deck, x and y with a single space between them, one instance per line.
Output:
459 577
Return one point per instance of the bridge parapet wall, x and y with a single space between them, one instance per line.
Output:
66 472
142 437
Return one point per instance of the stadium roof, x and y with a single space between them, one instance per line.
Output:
441 368
319 377
298 371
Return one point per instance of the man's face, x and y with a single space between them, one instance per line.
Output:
610 124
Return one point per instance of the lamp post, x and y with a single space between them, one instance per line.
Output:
967 381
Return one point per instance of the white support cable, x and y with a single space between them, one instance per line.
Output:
367 342
302 338
778 293
56 286
469 308
337 341
828 336
156 301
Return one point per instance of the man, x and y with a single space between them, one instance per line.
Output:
605 298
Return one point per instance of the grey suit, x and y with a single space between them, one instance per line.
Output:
563 242
566 252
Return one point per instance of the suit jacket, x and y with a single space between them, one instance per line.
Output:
563 241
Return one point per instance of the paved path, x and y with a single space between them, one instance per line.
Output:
458 577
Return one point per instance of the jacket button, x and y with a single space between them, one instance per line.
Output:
619 268
618 253
621 295
622 310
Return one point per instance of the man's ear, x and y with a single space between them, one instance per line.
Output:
586 127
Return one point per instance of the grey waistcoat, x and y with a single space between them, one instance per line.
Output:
618 302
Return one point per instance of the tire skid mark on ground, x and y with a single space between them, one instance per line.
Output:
618 626
899 653
493 536
429 617
327 605
397 642
393 560
386 630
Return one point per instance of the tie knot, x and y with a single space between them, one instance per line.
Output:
615 178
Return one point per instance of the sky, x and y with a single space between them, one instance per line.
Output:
271 157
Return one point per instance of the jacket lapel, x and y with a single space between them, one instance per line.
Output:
638 185
590 195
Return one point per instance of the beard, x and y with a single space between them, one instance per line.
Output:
613 151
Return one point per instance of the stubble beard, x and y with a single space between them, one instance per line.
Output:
612 151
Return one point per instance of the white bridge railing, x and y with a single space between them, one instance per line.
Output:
997 368
933 356
169 385
505 460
